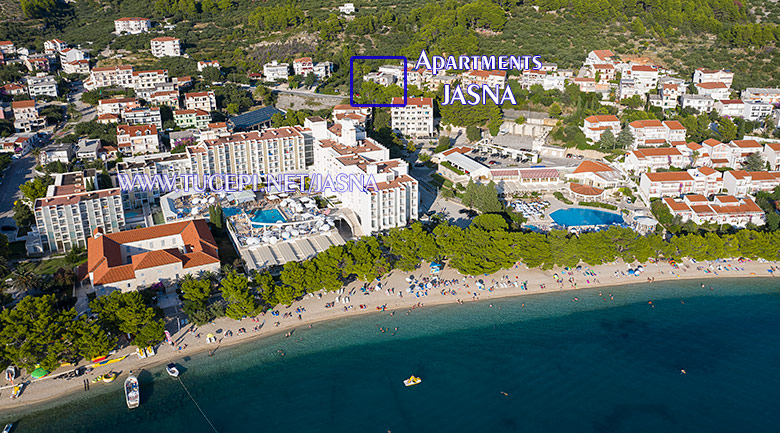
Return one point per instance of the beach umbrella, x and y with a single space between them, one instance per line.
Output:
38 373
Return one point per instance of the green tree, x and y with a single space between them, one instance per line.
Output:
198 291
754 162
625 138
127 313
727 129
607 140
444 144
36 188
473 134
23 217
235 290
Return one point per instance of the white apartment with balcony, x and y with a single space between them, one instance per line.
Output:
765 95
415 119
147 82
729 107
76 67
68 213
132 26
166 46
723 209
703 75
206 101
135 139
702 103
654 133
303 66
272 151
143 116
276 71
116 105
652 159
54 46
716 90
742 183
111 76
645 77
394 202
42 84
772 155
595 125
26 117
203 64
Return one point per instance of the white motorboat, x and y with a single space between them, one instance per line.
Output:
172 370
132 392
8 427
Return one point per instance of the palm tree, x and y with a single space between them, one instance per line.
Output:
23 277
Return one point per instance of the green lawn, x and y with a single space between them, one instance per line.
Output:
158 218
50 266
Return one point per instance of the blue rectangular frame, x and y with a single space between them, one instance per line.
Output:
352 80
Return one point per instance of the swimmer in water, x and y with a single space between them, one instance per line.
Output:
683 372
505 394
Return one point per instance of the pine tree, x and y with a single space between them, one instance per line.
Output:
625 139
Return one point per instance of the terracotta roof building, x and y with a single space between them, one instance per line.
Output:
134 259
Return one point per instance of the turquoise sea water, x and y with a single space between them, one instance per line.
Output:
589 366
585 217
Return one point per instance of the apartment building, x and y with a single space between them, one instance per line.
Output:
68 213
68 55
703 75
741 149
414 119
20 143
135 259
723 209
207 64
765 95
172 165
480 77
742 183
116 105
604 71
272 151
165 97
666 184
7 48
303 66
595 125
54 46
702 103
112 76
645 77
323 70
395 200
656 133
729 107
186 119
26 117
772 155
598 174
652 159
276 71
716 90
707 181
586 85
76 67
757 110
166 46
42 84
670 94
134 139
600 56
359 115
37 63
142 116
132 26
205 101
147 82
719 153
627 89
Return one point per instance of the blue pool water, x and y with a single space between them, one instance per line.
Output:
131 214
585 217
268 216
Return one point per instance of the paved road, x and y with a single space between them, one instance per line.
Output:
308 94
18 173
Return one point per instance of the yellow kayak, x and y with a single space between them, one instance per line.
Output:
108 377
413 380
108 361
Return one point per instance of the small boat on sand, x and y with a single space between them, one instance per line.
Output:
172 370
8 427
105 378
10 373
132 392
413 380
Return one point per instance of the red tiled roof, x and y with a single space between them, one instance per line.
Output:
592 167
712 85
602 118
586 190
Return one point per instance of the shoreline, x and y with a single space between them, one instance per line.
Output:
36 394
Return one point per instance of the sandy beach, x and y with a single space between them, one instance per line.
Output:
391 296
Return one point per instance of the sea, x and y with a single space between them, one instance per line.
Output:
611 361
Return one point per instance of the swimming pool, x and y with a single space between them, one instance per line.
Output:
267 216
585 217
230 211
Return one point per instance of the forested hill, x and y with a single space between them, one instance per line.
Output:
682 34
